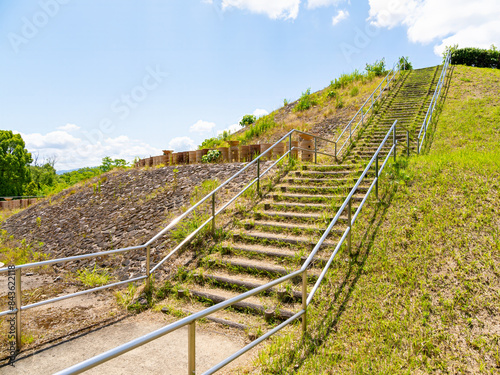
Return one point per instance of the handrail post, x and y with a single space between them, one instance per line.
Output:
304 301
408 143
394 142
418 145
18 308
349 224
350 131
213 214
376 176
335 150
258 176
315 150
192 348
148 267
290 148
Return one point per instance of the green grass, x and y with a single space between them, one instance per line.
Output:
421 292
95 277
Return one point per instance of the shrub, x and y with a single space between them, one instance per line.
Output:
306 101
404 63
332 94
354 91
483 58
248 120
377 68
211 157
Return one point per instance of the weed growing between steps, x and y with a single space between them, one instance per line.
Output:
421 294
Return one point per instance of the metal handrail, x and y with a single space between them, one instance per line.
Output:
190 321
149 271
432 105
361 111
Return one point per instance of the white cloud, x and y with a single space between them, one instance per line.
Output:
73 151
311 4
464 22
231 129
182 144
259 112
341 15
69 127
202 127
274 9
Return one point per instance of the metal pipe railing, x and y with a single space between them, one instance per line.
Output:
348 138
306 298
435 98
147 246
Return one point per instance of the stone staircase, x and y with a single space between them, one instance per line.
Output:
280 231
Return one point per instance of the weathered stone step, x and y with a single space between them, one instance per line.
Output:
246 282
284 227
215 296
295 206
302 217
306 198
322 189
249 250
327 174
307 242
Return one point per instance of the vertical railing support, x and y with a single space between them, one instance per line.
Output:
394 142
407 143
148 267
290 148
349 224
304 301
258 176
376 176
335 150
315 150
192 348
18 308
213 214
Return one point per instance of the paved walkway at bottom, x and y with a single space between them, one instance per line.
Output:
166 355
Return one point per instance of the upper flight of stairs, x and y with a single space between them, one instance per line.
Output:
276 236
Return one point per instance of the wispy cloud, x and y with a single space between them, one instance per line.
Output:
311 4
77 150
182 144
446 22
202 127
275 9
341 15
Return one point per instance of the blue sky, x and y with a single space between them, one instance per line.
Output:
84 79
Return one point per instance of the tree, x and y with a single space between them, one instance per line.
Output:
14 164
108 164
248 120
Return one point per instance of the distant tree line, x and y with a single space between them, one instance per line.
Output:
22 174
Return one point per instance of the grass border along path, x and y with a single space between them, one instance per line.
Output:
422 293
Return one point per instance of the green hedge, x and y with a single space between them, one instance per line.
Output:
482 58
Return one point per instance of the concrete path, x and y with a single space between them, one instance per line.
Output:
167 355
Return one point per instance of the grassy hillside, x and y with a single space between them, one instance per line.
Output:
422 292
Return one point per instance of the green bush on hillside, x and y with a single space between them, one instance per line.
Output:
481 58
377 68
306 101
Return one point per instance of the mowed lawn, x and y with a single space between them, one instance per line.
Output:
421 293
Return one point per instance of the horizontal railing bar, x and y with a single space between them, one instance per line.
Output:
73 258
327 266
182 243
124 348
386 160
367 100
254 343
313 135
57 299
363 201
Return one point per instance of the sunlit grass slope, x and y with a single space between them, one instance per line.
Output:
421 294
